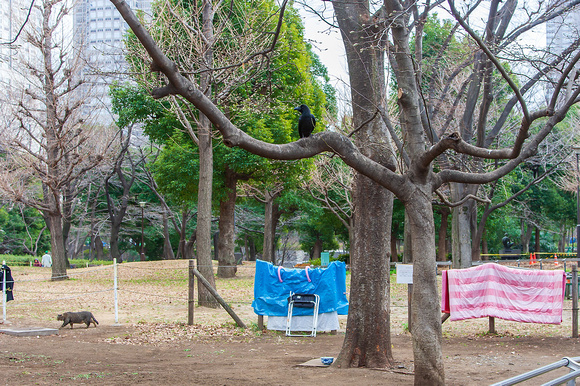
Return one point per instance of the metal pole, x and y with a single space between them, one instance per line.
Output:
3 292
575 301
577 204
575 267
142 239
115 288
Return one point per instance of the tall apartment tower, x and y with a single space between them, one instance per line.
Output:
561 32
99 31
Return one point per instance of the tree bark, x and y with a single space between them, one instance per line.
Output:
204 261
394 232
99 248
59 262
317 249
442 233
367 342
167 249
460 229
526 237
425 328
226 259
252 248
271 217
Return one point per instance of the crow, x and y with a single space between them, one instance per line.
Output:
306 122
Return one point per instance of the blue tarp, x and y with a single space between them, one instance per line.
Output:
271 295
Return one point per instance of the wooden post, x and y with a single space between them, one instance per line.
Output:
260 322
491 325
190 294
575 301
220 300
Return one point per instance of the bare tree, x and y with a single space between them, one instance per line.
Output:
48 148
366 36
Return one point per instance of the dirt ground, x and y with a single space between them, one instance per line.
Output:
150 348
114 355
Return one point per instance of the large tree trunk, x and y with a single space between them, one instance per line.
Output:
226 259
425 328
59 261
204 261
367 342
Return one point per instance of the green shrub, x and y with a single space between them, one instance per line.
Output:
18 259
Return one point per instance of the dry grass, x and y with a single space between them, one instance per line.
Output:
156 292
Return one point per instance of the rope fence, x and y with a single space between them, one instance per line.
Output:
160 290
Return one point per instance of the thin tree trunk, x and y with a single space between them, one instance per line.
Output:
526 237
99 248
394 232
442 233
460 229
407 242
317 249
226 259
167 249
272 215
252 247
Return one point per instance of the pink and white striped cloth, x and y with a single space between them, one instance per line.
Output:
520 295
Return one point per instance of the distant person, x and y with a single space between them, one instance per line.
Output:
46 260
37 263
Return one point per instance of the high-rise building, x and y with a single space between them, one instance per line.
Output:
561 33
562 30
14 15
99 31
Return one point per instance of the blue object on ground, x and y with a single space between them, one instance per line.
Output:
271 294
327 360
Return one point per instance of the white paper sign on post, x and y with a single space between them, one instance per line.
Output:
404 273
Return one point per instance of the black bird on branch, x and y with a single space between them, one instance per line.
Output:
306 122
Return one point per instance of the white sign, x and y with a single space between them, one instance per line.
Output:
405 273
